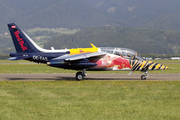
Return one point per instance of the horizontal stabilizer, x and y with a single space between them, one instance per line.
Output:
19 58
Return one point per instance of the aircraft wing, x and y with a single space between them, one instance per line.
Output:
70 58
76 62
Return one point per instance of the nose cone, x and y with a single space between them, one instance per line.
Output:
138 65
156 66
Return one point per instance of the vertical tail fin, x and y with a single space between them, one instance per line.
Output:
22 42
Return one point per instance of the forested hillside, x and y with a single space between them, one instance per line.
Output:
141 40
6 45
144 41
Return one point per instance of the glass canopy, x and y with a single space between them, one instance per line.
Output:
124 52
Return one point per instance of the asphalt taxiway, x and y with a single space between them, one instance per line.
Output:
90 76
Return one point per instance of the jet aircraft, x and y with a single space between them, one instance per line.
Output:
80 59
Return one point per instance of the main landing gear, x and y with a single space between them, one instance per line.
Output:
80 75
143 77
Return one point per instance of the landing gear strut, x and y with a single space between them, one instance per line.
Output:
143 77
80 75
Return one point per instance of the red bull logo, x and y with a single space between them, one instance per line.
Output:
20 40
115 62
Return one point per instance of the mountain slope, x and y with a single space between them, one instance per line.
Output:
136 12
8 13
70 14
54 13
86 13
169 22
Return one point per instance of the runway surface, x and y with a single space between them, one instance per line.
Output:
90 76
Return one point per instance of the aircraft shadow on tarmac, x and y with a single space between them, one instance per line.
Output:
58 78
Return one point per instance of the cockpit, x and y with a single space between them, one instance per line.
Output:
123 52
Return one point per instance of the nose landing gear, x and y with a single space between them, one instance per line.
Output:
143 77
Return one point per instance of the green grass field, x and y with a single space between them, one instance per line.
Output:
90 100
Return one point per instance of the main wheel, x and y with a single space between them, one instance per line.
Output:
143 77
79 76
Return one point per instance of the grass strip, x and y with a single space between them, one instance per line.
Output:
87 100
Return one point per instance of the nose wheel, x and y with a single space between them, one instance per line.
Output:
143 77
